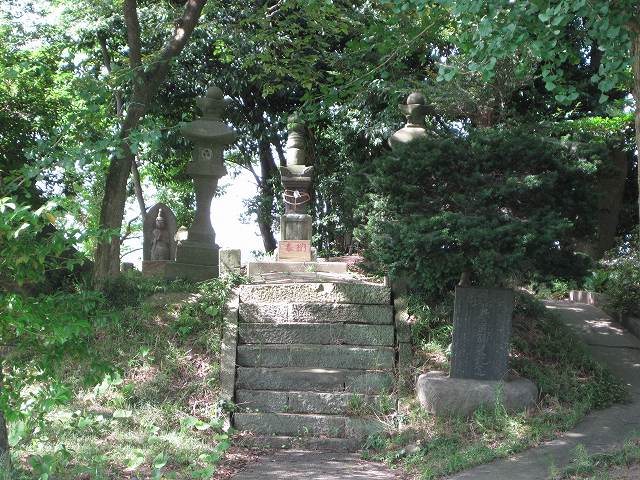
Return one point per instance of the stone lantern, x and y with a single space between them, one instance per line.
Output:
197 252
415 110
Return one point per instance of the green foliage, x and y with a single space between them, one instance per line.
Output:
24 256
623 279
131 288
500 204
597 281
41 333
433 322
557 34
157 411
559 365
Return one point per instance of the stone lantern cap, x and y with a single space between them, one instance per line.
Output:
415 110
210 129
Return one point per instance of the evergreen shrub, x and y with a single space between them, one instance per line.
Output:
502 205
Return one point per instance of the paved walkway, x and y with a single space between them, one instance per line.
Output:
599 431
315 466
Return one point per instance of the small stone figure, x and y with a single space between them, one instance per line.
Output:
159 230
160 243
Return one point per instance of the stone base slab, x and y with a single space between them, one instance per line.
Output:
440 394
191 252
172 270
258 268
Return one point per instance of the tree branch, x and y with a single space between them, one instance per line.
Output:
106 58
137 187
181 33
133 33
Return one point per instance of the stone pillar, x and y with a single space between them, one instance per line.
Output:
297 178
197 252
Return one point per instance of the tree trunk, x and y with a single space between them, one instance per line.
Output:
5 458
268 171
635 63
146 82
107 261
611 193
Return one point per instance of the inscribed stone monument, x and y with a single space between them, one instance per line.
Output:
481 332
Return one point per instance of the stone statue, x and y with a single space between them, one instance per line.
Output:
158 231
160 249
414 110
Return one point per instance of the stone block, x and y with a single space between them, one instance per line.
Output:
481 331
264 313
259 268
229 350
173 270
314 379
230 261
590 298
295 226
317 334
315 313
322 356
440 394
355 293
337 403
406 375
362 427
326 444
290 424
340 313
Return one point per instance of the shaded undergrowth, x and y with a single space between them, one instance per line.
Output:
155 413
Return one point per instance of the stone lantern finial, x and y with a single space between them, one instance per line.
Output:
414 110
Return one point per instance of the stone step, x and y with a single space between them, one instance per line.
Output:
316 333
326 444
319 356
338 403
315 313
314 379
354 293
292 424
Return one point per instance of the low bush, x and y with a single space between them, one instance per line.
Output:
623 284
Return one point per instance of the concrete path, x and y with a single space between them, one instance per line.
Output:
600 431
315 466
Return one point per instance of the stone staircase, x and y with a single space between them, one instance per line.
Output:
314 363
